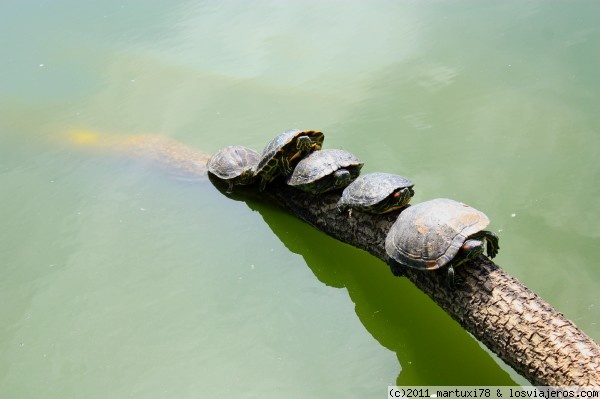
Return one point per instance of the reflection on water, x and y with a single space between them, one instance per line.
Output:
114 275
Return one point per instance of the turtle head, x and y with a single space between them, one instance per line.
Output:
303 143
341 178
402 196
247 176
471 249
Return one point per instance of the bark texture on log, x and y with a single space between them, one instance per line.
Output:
513 322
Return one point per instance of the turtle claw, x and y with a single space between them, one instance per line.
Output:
451 276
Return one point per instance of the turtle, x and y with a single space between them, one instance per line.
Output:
325 170
439 233
283 152
376 193
234 164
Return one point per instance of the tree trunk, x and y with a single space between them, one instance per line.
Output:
513 322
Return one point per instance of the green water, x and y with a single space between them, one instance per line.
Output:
118 280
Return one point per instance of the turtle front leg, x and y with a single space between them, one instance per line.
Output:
263 183
451 276
453 279
284 165
396 268
229 186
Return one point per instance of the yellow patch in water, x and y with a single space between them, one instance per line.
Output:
83 137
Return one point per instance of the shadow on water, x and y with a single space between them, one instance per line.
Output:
432 349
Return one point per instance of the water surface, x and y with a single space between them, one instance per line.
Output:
120 279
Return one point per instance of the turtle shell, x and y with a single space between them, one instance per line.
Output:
318 172
234 162
371 193
284 145
284 152
429 235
